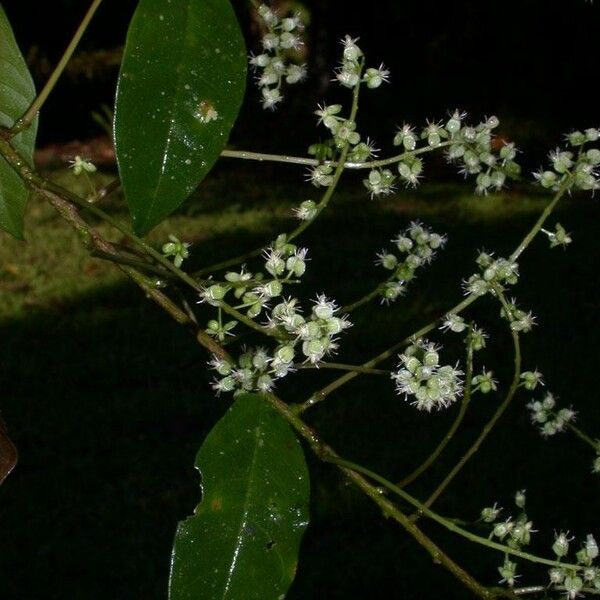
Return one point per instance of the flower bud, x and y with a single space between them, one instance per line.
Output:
490 513
561 545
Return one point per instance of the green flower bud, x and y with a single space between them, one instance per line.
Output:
561 545
431 358
557 575
412 364
227 384
214 294
260 360
492 122
264 383
573 585
576 138
490 513
285 354
531 379
255 309
453 124
314 350
508 152
593 156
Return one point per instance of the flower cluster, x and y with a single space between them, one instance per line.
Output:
349 73
283 35
283 261
575 168
573 580
470 147
343 132
315 335
417 245
312 337
493 272
545 414
519 319
251 373
342 128
421 376
514 532
177 249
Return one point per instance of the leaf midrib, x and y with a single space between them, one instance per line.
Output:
246 503
172 101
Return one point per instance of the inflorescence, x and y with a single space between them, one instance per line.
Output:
273 66
516 532
421 377
417 246
311 337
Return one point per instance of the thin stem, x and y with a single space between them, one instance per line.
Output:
390 510
540 589
94 241
448 523
343 367
595 444
352 472
340 165
93 197
313 162
540 222
45 187
320 395
25 121
230 262
495 417
107 190
247 320
132 262
142 244
458 308
365 299
466 400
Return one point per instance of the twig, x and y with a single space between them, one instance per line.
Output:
25 121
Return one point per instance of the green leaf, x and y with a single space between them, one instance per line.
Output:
243 539
17 92
181 85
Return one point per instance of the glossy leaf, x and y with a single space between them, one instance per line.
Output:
243 539
181 85
17 92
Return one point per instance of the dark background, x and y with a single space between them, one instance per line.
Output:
532 63
92 512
